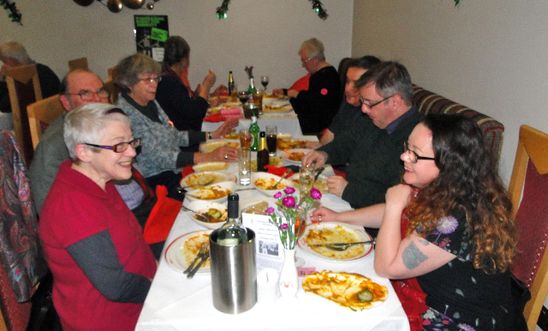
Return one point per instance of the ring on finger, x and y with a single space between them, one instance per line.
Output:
226 156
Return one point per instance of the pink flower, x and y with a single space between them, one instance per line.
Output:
269 210
289 202
289 190
284 226
315 193
277 195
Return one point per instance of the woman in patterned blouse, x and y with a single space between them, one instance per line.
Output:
447 227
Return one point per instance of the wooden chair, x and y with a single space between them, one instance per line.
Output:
81 63
24 89
113 90
42 113
529 193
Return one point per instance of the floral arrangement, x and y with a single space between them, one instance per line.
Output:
291 212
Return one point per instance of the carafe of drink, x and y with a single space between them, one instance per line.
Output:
233 273
254 132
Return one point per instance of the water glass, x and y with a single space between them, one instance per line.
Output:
271 139
244 166
306 179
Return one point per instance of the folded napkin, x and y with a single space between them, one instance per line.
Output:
161 217
231 111
278 171
214 118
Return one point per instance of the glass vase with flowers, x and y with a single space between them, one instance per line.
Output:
289 216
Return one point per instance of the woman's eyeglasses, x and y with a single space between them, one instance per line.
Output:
119 147
412 155
151 79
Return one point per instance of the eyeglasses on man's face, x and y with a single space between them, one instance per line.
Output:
369 104
151 79
412 155
119 147
87 95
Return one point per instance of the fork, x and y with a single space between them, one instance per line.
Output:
343 246
203 257
193 264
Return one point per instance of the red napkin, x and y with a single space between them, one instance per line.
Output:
214 118
161 217
278 171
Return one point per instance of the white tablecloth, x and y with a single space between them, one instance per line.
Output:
286 123
177 303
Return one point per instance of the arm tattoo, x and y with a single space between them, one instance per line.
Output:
412 256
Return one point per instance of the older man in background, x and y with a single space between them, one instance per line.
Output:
372 154
316 106
79 87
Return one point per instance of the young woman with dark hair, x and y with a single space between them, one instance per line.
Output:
446 231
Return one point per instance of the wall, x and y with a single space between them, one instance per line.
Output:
489 55
265 34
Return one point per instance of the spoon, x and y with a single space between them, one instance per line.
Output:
343 246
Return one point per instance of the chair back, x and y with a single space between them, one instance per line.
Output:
80 63
41 114
529 193
24 89
21 262
113 90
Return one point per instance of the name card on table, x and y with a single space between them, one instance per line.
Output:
269 251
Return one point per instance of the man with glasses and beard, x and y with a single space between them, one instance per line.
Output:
372 152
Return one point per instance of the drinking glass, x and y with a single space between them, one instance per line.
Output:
271 135
306 179
244 166
243 96
264 81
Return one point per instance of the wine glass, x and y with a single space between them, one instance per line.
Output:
243 96
264 81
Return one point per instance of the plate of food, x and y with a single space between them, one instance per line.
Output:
257 208
213 144
320 183
316 236
271 105
212 215
210 166
268 183
217 192
200 179
180 253
349 290
295 155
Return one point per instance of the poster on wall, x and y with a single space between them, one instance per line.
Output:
151 33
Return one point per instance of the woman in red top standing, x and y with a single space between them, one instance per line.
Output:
102 268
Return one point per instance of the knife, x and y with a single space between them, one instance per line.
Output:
191 266
202 260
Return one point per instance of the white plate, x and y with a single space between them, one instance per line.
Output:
211 177
227 186
175 255
213 144
202 207
360 235
210 166
287 153
271 178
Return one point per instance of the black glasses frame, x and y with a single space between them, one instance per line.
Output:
415 157
119 147
364 102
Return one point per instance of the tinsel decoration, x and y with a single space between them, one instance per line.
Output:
222 10
318 8
13 12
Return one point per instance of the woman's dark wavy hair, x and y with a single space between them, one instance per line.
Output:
468 181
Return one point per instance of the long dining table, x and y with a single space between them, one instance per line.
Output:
285 120
175 302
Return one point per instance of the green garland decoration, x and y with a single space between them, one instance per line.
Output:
13 12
